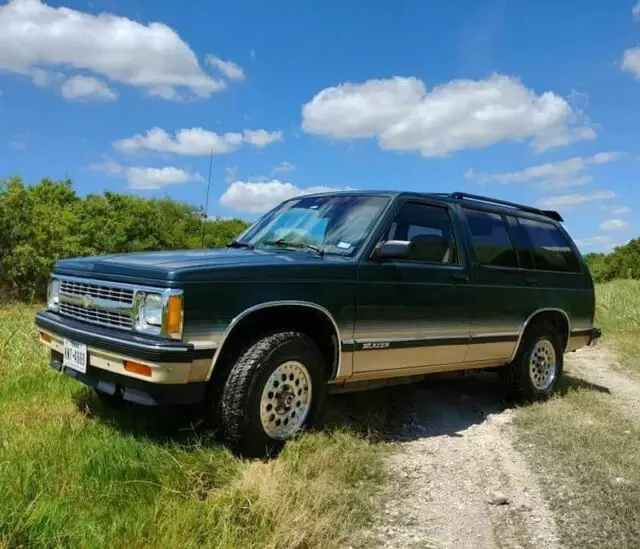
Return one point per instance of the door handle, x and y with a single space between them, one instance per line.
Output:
530 281
458 277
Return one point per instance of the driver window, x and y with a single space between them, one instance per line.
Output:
430 230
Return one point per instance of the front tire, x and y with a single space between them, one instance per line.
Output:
275 390
534 373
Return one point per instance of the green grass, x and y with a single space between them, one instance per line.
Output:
618 314
76 474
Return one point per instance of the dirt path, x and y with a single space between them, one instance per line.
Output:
595 366
462 483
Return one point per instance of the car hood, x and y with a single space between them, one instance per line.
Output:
177 265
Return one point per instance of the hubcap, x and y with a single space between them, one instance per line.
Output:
542 365
286 399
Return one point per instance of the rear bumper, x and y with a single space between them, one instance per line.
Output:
594 336
132 389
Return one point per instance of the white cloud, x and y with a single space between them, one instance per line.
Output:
145 178
230 69
631 61
284 167
636 10
568 200
35 36
462 114
621 210
196 141
595 242
17 145
613 225
259 197
562 174
86 88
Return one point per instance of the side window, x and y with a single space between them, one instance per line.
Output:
551 251
430 229
491 240
522 243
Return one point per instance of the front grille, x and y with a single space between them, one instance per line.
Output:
97 316
97 302
100 291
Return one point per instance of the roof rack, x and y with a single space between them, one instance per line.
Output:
552 214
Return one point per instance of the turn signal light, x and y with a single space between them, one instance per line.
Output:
174 315
137 368
45 337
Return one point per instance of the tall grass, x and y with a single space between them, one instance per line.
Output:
76 474
618 313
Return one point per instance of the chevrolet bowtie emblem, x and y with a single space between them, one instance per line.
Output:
87 301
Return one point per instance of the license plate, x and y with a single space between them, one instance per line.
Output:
75 356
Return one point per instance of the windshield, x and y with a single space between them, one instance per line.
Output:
335 224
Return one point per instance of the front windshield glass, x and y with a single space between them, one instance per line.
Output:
334 223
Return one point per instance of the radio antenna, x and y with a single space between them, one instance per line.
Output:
206 201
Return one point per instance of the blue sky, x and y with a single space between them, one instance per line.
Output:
527 101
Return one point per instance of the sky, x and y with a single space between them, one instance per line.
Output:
534 102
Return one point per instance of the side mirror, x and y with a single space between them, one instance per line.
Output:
393 249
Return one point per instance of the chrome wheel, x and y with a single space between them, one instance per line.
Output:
286 399
543 366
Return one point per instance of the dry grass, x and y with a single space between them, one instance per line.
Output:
75 474
585 449
586 455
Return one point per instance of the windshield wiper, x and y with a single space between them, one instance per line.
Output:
296 244
240 244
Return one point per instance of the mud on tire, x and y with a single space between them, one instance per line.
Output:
528 378
268 361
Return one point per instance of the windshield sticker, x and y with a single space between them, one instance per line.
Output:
344 245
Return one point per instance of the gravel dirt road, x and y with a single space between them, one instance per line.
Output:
461 482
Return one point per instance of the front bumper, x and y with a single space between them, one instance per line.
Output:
132 389
178 371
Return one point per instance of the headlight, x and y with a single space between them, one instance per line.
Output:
53 295
160 314
152 310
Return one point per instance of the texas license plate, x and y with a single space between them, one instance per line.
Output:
75 356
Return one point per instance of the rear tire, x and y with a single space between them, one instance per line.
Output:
534 373
275 389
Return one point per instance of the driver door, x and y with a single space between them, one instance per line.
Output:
412 314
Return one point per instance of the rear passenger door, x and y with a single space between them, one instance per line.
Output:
413 313
504 293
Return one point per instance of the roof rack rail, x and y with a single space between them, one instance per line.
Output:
552 214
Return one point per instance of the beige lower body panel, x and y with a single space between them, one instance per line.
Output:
384 360
165 373
419 370
498 351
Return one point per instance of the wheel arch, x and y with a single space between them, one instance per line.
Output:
557 317
319 322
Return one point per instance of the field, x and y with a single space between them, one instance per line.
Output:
618 313
74 474
585 442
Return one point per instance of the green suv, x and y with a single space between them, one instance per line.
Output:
326 292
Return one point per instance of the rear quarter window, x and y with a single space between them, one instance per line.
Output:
549 246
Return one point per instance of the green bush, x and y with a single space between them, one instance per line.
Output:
42 223
623 262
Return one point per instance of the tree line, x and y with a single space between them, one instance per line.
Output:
622 262
46 221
